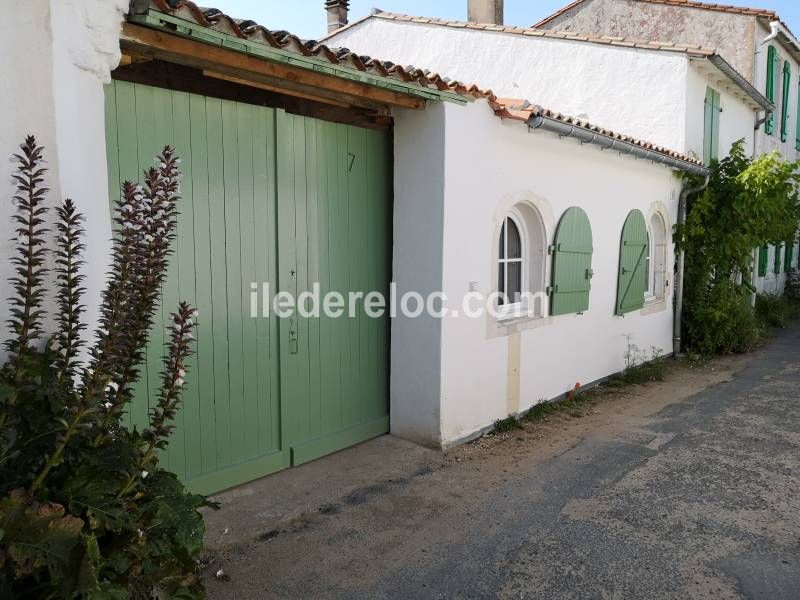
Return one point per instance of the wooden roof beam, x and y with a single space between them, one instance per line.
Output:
174 48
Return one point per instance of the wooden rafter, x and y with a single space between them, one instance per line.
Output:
288 79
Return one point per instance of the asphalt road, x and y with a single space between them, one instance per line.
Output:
699 500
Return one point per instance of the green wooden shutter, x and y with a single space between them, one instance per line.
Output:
789 256
787 81
711 126
797 126
772 72
632 278
763 260
572 264
778 249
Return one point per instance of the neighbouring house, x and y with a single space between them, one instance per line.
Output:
683 96
305 163
758 44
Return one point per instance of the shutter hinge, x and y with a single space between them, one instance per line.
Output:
551 248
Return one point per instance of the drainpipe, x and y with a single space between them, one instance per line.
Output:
682 208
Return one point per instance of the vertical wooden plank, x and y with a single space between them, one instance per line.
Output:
163 134
128 142
202 452
233 259
301 415
263 196
359 200
146 130
246 122
275 414
219 278
286 216
346 336
329 350
314 392
112 142
187 424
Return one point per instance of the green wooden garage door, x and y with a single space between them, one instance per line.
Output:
273 198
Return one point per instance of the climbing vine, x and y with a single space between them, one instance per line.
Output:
748 203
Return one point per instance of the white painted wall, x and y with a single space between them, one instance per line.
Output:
27 106
768 143
736 121
637 92
55 56
489 166
415 380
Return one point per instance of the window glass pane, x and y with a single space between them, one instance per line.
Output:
514 241
514 283
501 283
502 251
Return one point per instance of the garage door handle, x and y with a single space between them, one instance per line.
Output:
293 335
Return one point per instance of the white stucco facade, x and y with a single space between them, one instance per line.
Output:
488 370
772 142
654 95
53 89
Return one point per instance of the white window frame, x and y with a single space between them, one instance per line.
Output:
649 292
513 310
656 291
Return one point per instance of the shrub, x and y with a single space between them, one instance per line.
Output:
793 286
776 311
748 203
85 509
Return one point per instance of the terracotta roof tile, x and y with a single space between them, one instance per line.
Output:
522 110
691 50
741 10
568 35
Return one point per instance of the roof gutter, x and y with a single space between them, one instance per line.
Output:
606 142
724 66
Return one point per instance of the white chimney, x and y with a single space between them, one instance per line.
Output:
337 13
485 11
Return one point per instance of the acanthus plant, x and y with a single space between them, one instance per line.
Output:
85 509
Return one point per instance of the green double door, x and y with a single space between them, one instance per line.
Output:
269 202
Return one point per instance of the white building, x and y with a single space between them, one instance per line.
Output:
286 150
759 45
654 90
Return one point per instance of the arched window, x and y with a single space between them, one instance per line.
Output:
657 258
522 264
511 265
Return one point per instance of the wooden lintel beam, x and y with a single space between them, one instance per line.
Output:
174 48
273 88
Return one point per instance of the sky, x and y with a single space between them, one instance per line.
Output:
306 18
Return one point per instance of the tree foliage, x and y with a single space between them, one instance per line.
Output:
85 509
748 203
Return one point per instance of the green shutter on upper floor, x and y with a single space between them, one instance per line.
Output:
797 119
572 264
711 126
787 82
789 260
772 75
778 252
632 276
763 260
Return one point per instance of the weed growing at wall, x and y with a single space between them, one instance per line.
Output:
747 204
85 509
